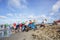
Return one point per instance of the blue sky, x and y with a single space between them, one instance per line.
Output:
22 10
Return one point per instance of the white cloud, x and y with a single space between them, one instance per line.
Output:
43 16
20 4
55 7
9 14
3 17
46 17
31 16
17 15
25 1
38 17
14 3
52 13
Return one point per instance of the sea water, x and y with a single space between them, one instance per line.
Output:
5 32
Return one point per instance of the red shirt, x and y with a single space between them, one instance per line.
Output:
21 25
14 24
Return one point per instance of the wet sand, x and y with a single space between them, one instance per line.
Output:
19 36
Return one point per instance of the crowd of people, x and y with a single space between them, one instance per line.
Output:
24 26
8 29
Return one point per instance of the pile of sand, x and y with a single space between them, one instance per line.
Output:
47 33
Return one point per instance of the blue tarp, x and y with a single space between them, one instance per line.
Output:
32 26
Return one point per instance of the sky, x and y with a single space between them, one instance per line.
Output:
21 10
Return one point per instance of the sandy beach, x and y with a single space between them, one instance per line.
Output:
39 34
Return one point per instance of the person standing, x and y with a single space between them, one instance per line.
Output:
14 25
20 25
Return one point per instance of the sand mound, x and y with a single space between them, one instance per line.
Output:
47 33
